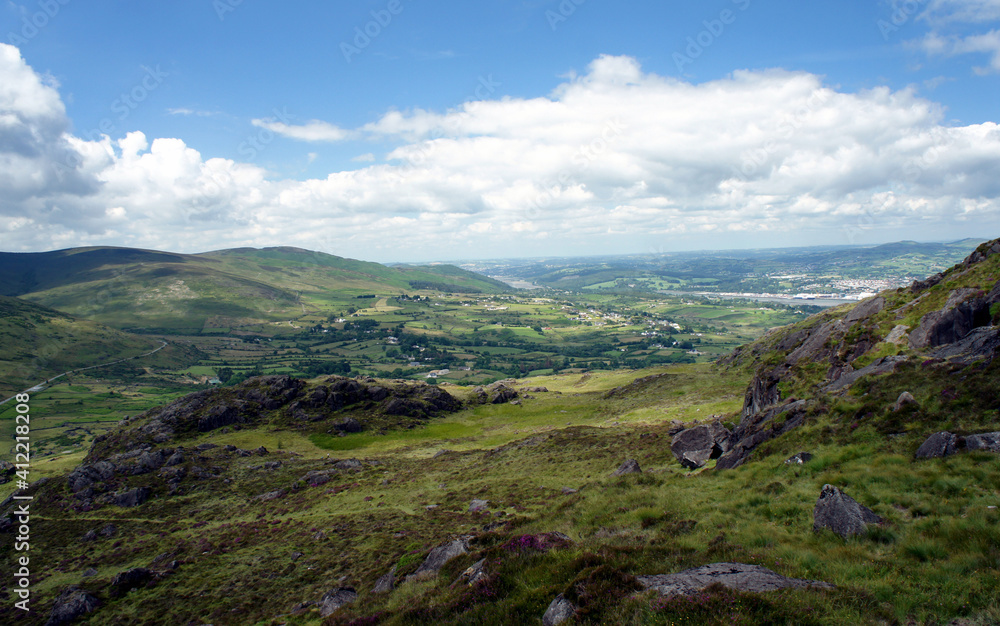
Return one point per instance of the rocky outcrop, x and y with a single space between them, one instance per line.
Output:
981 344
944 444
736 576
965 310
71 604
841 513
336 598
123 582
987 442
558 612
695 446
439 556
762 393
499 392
938 445
474 573
758 428
132 497
905 399
386 583
630 466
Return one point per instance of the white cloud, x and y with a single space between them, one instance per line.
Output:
969 11
956 30
311 131
613 158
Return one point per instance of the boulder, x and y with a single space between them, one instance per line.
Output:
630 466
695 446
906 398
353 465
559 611
71 604
938 445
841 513
132 497
439 556
988 442
123 582
350 425
736 576
799 459
336 598
387 582
474 573
478 505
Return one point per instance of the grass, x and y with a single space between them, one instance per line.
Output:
936 558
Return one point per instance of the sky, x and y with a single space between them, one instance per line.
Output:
414 131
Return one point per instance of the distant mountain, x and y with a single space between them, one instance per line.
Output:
39 343
146 289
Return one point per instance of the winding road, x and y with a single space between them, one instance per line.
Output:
40 386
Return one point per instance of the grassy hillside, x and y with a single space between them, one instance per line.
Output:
141 289
39 343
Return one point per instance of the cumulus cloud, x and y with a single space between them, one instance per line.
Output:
613 159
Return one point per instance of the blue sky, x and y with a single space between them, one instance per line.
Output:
405 130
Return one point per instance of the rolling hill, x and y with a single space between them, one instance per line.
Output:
359 501
160 291
39 342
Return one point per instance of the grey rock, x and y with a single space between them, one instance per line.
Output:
736 576
758 428
175 459
938 445
350 425
386 583
349 464
478 505
841 513
884 365
630 466
558 612
474 573
988 442
694 447
898 335
981 344
905 398
205 446
90 572
964 311
71 604
132 497
440 555
272 495
866 309
123 582
799 459
336 598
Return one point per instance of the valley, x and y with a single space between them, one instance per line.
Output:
407 456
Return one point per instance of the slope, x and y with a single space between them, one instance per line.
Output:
149 290
39 343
